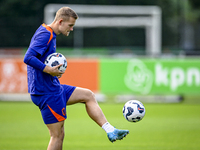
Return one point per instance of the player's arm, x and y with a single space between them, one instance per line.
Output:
31 59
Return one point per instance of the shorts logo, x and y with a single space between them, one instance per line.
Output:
64 112
58 117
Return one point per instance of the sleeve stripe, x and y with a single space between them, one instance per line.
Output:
50 30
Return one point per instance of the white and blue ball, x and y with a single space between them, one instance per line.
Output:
55 59
133 111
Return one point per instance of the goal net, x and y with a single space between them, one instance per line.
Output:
92 16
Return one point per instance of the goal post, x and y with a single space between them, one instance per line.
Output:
93 16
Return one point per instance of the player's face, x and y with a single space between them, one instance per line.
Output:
67 26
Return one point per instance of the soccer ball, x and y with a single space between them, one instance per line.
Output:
133 111
55 59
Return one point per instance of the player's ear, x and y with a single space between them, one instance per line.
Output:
60 21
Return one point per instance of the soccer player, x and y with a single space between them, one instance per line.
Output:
45 89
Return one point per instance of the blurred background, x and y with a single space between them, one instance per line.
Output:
180 25
124 63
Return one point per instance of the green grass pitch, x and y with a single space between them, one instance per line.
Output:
164 127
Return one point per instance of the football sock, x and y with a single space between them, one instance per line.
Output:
108 127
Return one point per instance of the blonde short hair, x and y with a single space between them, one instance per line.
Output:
65 13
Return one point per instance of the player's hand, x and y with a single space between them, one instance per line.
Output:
59 76
54 71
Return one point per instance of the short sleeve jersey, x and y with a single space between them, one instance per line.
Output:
44 43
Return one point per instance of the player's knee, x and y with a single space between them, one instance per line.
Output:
57 133
58 136
90 96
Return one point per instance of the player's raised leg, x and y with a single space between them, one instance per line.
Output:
82 95
56 131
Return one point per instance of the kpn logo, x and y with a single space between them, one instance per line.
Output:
176 77
173 77
138 77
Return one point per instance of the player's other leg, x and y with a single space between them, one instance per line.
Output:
82 95
56 131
